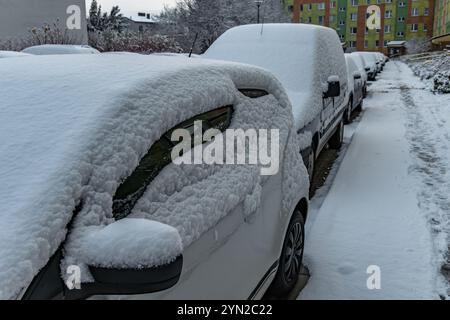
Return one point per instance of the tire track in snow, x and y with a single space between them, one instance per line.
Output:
431 165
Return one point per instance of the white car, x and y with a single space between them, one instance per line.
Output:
356 86
97 202
309 62
371 62
52 49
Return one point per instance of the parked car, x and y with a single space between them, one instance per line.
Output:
309 62
371 63
355 87
51 49
11 54
359 60
94 206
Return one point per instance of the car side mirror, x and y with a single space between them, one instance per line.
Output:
130 256
334 87
356 75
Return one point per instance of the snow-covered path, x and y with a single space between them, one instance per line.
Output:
389 203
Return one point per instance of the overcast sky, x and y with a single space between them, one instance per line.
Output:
132 6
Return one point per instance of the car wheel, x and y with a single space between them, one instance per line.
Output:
291 257
337 138
348 113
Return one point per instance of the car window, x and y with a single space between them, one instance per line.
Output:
158 157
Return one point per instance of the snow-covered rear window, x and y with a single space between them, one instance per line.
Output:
159 156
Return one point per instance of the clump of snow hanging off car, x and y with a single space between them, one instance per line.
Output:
301 56
70 140
433 68
141 243
51 49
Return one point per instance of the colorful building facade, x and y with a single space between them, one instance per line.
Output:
399 20
441 26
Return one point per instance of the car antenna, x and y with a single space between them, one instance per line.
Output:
263 17
193 45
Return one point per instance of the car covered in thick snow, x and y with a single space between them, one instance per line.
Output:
52 49
356 86
309 62
371 63
99 200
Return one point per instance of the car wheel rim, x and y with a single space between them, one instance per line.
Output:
293 253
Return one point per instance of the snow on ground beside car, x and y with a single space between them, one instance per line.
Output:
69 135
301 56
385 197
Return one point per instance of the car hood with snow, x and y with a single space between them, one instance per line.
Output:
73 127
299 55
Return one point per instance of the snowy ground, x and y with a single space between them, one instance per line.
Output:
387 201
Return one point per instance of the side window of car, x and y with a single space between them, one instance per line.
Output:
159 156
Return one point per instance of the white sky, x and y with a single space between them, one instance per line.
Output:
133 6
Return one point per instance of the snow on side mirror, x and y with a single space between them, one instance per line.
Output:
356 75
334 87
131 256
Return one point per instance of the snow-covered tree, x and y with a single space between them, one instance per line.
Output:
209 19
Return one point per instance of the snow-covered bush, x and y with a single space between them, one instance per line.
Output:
110 40
442 82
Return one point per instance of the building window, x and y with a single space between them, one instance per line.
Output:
377 43
332 18
341 22
301 7
366 44
378 1
401 19
321 6
388 14
141 14
367 31
415 12
400 34
353 30
352 44
354 3
341 36
401 4
321 19
354 16
309 20
385 43
414 27
426 11
333 4
425 27
387 28
388 1
309 7
367 1
342 9
378 30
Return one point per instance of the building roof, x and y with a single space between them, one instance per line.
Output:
142 17
399 43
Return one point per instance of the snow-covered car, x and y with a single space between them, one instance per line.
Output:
371 63
52 49
355 86
358 59
98 200
309 62
12 54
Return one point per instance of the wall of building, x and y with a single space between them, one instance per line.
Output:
18 17
442 18
400 20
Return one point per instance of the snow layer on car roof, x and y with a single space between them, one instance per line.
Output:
51 49
73 127
297 54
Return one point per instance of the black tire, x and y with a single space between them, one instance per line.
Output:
359 106
348 112
291 258
336 139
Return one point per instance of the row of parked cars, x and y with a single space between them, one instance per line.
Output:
93 205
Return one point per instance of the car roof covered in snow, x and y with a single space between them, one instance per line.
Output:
55 114
296 54
12 54
51 49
